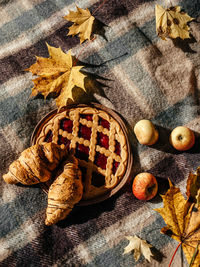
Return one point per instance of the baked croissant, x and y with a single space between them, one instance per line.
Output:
35 164
64 193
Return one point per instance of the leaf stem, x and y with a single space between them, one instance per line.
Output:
174 253
81 51
194 255
99 7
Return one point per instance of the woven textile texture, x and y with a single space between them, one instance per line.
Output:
141 76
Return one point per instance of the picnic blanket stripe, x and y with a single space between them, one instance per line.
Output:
39 13
107 251
20 236
32 212
113 34
101 227
17 111
44 9
29 193
11 10
31 31
104 50
143 160
103 245
20 47
30 34
164 112
15 99
110 218
132 94
17 146
14 86
110 254
23 200
86 257
24 196
181 116
191 7
129 221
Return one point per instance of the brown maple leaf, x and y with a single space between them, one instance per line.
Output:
172 22
181 226
83 23
57 74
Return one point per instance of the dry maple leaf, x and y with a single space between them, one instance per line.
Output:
57 74
192 188
198 199
193 185
139 246
83 22
172 22
181 226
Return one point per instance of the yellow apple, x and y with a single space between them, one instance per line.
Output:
145 132
145 186
182 138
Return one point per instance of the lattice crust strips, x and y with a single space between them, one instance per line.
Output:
115 133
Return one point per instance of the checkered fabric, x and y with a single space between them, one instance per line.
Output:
141 76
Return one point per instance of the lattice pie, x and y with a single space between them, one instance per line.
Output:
98 142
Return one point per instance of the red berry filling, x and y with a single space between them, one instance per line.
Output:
115 166
103 140
87 116
101 160
63 140
104 123
85 132
66 125
48 137
98 179
117 148
82 152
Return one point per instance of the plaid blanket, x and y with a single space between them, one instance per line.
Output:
143 77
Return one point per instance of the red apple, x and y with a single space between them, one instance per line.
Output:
145 186
146 132
182 138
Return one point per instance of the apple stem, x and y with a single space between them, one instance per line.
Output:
150 189
174 253
180 137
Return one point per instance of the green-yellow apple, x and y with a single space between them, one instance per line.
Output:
182 138
145 186
145 132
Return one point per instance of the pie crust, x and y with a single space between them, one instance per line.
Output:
98 142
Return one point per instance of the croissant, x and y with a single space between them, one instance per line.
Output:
64 193
35 164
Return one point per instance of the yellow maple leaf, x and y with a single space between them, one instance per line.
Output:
57 74
83 22
172 22
182 227
139 246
